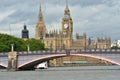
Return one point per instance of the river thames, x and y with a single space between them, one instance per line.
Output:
65 73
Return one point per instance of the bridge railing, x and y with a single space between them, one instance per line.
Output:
96 51
80 51
90 51
3 54
42 52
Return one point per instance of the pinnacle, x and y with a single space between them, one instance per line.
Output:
67 5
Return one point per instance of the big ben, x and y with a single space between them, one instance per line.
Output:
67 28
67 23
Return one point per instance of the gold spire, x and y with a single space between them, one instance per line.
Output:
40 5
40 27
40 17
67 5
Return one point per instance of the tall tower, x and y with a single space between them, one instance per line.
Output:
40 27
67 23
25 33
67 29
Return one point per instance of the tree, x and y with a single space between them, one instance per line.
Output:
35 44
19 44
115 47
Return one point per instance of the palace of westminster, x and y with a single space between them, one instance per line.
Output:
63 39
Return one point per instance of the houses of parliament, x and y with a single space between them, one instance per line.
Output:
63 39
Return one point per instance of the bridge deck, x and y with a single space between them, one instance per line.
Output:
23 57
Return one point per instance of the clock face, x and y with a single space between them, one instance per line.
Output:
65 25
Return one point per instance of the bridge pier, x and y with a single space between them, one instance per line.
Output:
12 61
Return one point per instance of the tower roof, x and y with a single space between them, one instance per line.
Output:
25 32
25 28
67 17
66 5
40 17
67 13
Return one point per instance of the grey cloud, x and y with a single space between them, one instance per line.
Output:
85 3
96 17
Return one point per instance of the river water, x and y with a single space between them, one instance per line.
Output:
65 73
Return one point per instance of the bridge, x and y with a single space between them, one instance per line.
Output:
28 60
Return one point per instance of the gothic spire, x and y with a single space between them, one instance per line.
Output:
40 6
67 5
40 27
40 17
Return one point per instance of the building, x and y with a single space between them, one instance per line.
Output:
81 42
116 44
91 43
40 27
56 39
63 39
25 33
103 43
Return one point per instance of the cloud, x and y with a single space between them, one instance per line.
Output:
95 17
4 15
98 20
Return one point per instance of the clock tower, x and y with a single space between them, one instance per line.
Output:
67 23
67 29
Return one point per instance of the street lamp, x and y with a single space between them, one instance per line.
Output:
12 47
28 48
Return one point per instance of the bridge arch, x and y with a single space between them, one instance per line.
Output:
47 57
38 60
97 57
3 66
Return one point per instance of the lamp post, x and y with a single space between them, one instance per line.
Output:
12 47
28 48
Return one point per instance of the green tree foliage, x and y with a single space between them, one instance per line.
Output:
115 47
19 44
34 44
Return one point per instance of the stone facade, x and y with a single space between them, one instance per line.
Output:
91 44
12 61
81 42
56 39
69 61
40 27
103 43
63 39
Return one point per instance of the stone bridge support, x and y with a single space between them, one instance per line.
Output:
12 61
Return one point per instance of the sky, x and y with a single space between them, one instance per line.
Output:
98 18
